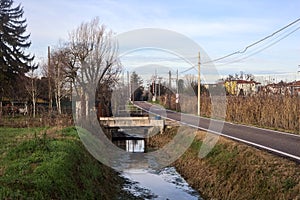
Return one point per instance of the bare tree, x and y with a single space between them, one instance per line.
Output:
30 83
71 67
190 81
96 59
59 76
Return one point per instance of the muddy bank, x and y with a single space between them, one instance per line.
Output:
235 171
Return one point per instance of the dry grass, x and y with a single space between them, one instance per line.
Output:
269 111
278 112
236 171
40 121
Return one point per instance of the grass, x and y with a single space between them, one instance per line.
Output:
21 121
275 112
235 171
41 163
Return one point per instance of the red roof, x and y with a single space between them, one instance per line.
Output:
295 83
244 82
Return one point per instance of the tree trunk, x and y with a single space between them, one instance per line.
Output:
34 105
59 99
56 100
0 110
33 96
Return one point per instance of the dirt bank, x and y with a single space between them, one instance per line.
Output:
235 171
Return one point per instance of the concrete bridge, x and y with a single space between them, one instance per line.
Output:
132 122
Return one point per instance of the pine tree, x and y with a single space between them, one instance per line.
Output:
14 62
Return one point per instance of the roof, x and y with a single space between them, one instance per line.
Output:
244 82
295 83
283 84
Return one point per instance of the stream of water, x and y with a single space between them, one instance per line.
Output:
164 184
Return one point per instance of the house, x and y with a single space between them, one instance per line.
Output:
241 87
283 88
277 88
295 88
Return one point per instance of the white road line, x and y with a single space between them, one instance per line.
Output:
231 123
245 141
234 138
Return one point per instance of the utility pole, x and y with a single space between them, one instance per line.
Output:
155 88
128 85
177 81
131 87
199 83
49 81
169 93
159 84
177 95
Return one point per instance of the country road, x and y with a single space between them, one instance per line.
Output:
284 144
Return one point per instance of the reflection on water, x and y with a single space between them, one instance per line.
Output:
133 146
163 184
150 184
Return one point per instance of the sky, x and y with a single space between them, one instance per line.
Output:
218 27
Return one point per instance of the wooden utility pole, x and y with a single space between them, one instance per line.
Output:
128 85
155 88
199 84
177 82
159 85
170 91
177 94
49 81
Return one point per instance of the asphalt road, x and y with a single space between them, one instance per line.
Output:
284 144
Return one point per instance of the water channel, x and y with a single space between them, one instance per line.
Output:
162 184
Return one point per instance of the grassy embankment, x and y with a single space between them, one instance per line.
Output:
39 163
235 171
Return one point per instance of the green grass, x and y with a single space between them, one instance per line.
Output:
34 165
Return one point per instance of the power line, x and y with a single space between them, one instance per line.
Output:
260 50
251 45
257 42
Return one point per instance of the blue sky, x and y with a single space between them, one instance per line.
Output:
219 27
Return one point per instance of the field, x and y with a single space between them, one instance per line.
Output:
51 163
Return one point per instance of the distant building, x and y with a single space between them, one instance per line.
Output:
241 87
295 88
283 88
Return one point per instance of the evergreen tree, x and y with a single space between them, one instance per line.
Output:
136 87
14 62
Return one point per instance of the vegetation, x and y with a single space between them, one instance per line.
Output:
87 62
275 111
268 111
235 171
44 163
137 90
14 63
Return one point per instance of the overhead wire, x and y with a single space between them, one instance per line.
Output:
257 42
244 50
251 45
260 50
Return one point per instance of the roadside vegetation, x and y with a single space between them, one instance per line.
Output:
276 112
235 171
52 163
